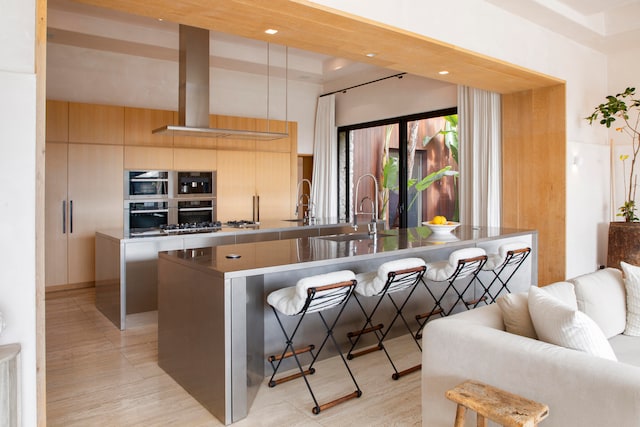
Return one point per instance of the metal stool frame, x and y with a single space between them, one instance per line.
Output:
466 267
396 281
318 299
514 258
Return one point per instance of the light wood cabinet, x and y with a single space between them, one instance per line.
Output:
238 123
95 188
139 122
236 184
152 158
195 159
57 121
55 210
273 185
96 124
83 194
281 145
195 142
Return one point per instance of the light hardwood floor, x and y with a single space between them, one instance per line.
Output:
100 376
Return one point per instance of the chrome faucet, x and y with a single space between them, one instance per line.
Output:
357 207
309 214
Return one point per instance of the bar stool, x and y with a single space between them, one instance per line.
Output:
313 294
509 258
461 264
391 277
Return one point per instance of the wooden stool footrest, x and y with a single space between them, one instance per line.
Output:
291 353
365 331
406 371
497 405
274 383
362 352
317 409
429 314
475 301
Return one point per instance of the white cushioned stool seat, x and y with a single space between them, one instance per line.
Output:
290 300
496 260
372 283
440 271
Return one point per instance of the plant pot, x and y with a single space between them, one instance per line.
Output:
624 243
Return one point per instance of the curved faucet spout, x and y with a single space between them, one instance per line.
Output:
300 196
374 211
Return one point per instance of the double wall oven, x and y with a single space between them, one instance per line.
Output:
164 200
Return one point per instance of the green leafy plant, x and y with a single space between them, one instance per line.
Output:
450 134
626 108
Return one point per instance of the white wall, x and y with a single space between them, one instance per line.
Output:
393 98
623 73
93 76
17 194
481 27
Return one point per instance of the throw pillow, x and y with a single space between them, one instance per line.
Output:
515 314
559 324
632 286
563 291
601 296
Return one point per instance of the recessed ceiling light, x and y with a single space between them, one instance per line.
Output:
371 55
271 31
443 72
337 67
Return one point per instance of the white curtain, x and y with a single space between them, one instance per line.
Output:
479 124
324 182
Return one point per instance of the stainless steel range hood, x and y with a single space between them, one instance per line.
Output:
193 101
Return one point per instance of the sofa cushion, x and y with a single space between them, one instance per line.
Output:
515 309
601 296
632 287
626 348
557 323
515 313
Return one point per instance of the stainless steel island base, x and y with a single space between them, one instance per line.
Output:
214 329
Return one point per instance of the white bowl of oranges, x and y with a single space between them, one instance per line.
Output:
440 225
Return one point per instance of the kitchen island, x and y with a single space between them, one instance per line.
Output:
214 329
126 265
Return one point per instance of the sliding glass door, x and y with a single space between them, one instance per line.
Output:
415 162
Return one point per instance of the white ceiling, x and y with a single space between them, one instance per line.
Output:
607 26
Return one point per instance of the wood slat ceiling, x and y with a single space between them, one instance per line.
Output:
311 27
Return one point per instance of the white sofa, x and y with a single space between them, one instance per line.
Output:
580 389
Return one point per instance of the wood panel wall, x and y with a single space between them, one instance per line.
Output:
534 177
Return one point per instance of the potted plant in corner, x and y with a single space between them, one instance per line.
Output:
624 237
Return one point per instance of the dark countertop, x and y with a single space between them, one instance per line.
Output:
271 256
264 227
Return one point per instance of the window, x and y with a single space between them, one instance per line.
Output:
415 162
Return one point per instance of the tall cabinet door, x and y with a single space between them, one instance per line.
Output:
56 220
95 188
236 184
273 185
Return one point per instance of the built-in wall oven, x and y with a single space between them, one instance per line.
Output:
195 211
144 216
146 184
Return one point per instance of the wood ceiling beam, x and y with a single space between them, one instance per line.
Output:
308 26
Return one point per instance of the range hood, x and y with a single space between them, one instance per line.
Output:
193 90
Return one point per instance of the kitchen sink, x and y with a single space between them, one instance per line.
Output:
294 220
353 236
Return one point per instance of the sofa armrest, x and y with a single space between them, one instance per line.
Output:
580 389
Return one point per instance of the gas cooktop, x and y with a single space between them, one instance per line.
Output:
191 227
243 223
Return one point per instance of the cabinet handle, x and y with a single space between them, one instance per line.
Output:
256 208
64 217
70 216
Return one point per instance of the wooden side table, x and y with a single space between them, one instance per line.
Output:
497 405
